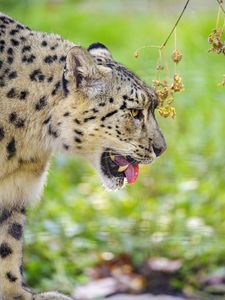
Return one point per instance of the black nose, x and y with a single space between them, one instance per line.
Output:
158 151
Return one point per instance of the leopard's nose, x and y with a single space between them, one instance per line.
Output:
158 150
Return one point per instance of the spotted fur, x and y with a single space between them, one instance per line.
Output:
57 96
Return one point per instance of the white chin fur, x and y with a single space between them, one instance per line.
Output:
112 184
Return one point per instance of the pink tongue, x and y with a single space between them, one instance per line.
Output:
132 170
132 173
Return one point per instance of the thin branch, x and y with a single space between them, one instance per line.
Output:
221 5
175 25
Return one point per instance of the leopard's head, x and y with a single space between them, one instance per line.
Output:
113 119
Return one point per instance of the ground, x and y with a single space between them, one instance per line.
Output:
145 297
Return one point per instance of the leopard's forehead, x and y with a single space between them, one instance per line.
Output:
137 89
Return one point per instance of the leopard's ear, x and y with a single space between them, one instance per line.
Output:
98 49
80 66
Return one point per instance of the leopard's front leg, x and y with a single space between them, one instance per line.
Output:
11 244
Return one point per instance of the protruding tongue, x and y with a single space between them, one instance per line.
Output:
132 170
132 173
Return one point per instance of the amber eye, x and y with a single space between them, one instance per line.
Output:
136 113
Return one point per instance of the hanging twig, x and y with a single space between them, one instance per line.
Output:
175 25
221 5
136 53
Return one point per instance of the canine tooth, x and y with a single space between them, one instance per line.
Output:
122 168
112 156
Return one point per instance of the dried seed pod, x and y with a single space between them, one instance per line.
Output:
167 111
177 85
160 68
156 83
176 56
164 113
136 54
172 112
215 40
163 93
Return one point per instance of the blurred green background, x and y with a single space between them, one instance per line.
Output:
177 207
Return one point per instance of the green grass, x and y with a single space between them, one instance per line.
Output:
177 207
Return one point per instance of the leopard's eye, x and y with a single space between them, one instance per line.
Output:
136 113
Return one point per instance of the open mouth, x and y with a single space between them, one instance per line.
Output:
121 167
